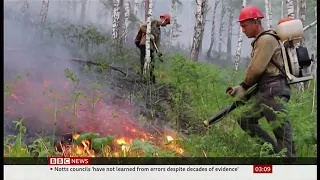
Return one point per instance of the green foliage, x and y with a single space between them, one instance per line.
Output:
205 87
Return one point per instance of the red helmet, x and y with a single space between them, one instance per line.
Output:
250 12
166 16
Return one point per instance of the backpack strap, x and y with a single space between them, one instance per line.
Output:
278 38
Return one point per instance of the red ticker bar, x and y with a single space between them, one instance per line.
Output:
262 169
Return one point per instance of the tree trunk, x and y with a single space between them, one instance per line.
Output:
148 54
297 6
290 8
126 20
135 7
116 20
314 67
268 13
282 9
213 27
221 28
229 42
74 8
198 29
303 10
205 12
146 9
171 12
238 52
44 11
83 11
25 8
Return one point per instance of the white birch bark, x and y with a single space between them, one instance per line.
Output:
134 5
148 33
146 9
229 42
290 8
215 5
267 4
297 6
116 20
198 29
126 19
238 51
44 11
25 8
282 9
314 23
221 28
302 10
172 9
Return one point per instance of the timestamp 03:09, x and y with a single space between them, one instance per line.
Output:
262 168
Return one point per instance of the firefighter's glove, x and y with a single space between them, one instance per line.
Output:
238 92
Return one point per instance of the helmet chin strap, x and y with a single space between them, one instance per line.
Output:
163 22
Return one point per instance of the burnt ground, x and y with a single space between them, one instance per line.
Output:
157 108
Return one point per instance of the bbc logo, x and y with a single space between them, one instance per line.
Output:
59 161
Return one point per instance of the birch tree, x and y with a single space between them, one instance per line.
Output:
268 13
215 5
221 28
44 11
282 9
126 20
198 29
25 8
146 9
83 11
302 10
135 7
148 33
290 8
175 27
116 20
239 46
229 42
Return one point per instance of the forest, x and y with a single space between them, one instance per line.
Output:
72 85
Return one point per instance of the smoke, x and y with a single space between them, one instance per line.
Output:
44 93
26 54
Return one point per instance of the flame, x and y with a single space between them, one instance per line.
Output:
107 118
169 138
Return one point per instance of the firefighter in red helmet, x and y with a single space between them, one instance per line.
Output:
266 70
140 41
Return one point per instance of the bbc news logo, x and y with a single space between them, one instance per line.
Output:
68 161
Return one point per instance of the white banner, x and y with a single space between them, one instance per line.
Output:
160 172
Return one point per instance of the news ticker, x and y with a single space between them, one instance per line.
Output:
160 172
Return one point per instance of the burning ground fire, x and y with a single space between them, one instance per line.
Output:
32 100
